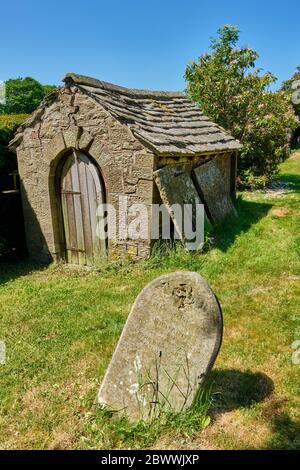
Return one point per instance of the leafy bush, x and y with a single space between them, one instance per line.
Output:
237 96
252 182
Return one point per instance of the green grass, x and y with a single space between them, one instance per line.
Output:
61 325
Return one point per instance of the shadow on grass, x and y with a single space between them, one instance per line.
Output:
234 389
249 213
285 433
18 267
292 179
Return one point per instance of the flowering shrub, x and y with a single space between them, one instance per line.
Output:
237 96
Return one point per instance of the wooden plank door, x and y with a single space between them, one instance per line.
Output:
82 192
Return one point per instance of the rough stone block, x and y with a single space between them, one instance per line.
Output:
55 147
70 136
85 141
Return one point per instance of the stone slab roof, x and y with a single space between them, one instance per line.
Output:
167 122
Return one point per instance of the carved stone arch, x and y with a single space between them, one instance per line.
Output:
73 137
67 140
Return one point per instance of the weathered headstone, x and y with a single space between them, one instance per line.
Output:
177 188
216 198
169 343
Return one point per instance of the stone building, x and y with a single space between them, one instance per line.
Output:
91 142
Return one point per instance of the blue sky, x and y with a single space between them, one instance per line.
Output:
142 44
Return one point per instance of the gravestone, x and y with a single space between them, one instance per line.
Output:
176 188
169 343
213 190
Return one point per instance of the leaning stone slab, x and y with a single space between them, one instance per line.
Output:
176 188
214 194
169 343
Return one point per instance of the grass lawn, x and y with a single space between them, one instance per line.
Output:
61 325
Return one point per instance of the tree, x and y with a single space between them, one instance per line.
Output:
23 95
237 96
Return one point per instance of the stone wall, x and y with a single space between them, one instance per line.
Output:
224 163
75 120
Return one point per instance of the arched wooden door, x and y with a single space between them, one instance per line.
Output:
82 192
